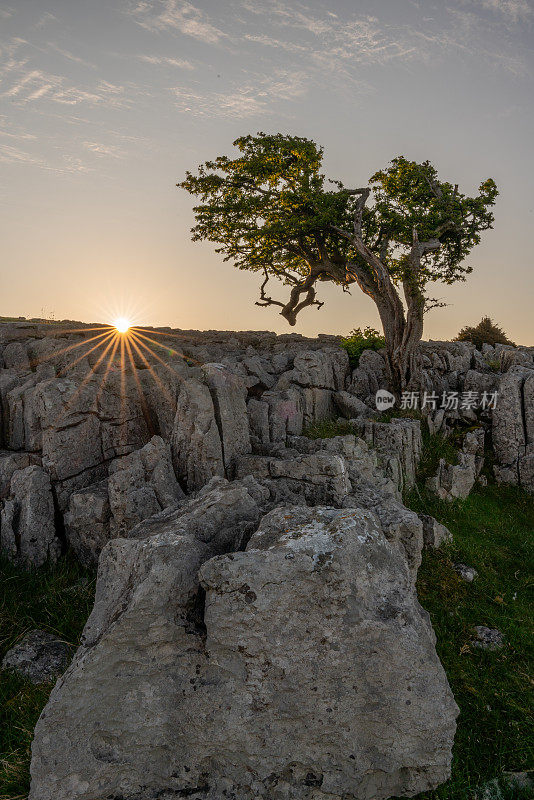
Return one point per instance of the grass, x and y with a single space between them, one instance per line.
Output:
493 532
328 428
55 599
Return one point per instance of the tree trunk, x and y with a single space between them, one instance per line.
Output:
402 335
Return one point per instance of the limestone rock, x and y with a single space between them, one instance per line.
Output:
27 519
10 462
453 481
434 533
513 428
312 670
196 444
87 522
229 394
222 514
314 479
140 485
488 638
39 657
398 444
350 406
467 574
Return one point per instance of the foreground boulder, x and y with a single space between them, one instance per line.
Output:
310 672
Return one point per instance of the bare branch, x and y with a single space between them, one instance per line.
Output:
264 299
291 309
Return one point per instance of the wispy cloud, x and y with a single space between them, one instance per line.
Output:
243 101
179 15
164 61
29 85
514 10
6 13
70 56
104 149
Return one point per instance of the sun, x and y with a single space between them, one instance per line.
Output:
122 324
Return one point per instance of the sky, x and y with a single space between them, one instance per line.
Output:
104 104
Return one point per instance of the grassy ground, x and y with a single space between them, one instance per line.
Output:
493 532
57 600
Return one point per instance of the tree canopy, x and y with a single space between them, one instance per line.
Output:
272 210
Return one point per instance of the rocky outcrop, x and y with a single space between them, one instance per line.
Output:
222 514
312 669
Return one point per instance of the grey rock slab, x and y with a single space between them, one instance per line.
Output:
87 522
229 396
221 514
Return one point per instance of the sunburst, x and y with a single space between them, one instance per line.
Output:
117 345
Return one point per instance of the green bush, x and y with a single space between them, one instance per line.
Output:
357 341
486 332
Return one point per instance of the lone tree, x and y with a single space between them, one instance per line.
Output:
272 210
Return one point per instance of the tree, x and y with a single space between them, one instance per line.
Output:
271 210
486 332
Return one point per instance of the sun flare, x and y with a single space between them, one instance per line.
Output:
122 324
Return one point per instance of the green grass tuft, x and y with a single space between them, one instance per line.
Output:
328 428
55 599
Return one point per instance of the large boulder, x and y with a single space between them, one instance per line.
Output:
311 672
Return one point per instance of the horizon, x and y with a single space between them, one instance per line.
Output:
104 109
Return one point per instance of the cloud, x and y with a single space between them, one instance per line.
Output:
248 100
104 149
514 10
46 19
181 63
6 13
70 56
14 155
28 85
179 15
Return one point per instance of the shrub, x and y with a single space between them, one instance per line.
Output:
357 341
486 332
